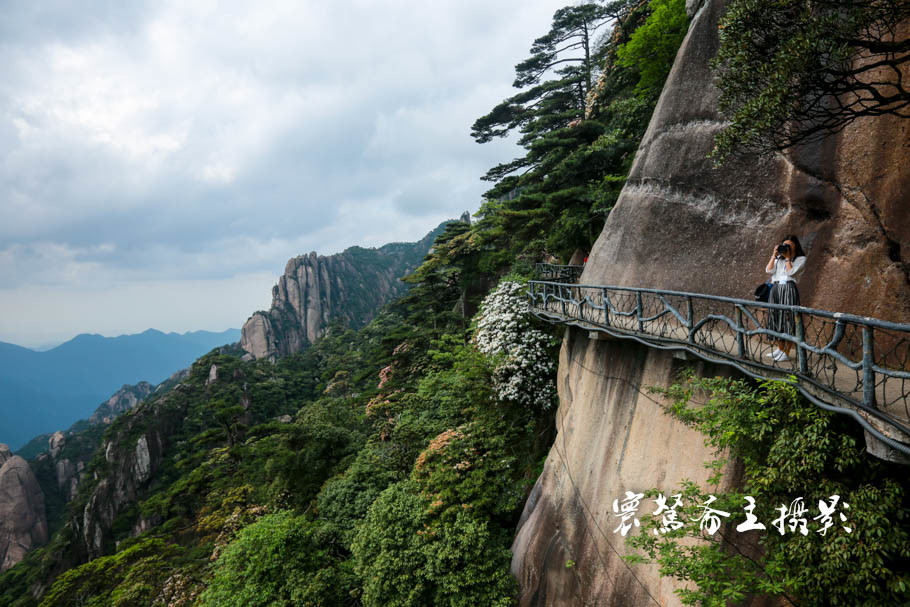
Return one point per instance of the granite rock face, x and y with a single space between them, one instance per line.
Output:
131 465
351 286
612 437
682 224
121 401
5 453
56 443
23 525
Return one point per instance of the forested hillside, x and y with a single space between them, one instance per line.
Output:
384 466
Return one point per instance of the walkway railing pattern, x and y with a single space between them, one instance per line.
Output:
559 273
851 364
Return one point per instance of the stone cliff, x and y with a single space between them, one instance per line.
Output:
123 400
611 437
35 495
682 224
350 286
133 452
23 525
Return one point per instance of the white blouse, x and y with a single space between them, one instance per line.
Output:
780 269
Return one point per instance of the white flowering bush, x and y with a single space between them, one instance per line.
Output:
524 365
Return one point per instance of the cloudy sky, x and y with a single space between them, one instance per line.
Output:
160 161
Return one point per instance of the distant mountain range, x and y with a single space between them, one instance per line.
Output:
42 392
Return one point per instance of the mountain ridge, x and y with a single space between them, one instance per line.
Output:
315 289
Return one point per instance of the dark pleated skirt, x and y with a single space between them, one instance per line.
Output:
783 321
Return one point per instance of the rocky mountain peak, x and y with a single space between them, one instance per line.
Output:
350 286
23 525
124 399
56 443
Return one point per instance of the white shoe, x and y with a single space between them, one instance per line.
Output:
781 356
774 353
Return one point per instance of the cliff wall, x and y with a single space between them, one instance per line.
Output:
682 224
124 399
23 525
315 289
611 437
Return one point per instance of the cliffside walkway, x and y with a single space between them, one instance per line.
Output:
849 364
558 273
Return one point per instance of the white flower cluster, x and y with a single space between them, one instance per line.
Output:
524 367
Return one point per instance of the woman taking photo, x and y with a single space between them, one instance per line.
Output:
786 260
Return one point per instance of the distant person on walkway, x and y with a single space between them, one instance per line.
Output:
786 260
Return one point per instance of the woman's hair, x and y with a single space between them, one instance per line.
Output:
799 248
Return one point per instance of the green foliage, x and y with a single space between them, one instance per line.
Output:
549 105
293 460
791 71
387 549
471 468
445 276
406 561
788 449
577 128
360 497
126 579
345 499
280 560
652 47
441 537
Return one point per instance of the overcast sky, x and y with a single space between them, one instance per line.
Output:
161 161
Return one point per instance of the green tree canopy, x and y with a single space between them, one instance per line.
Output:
652 47
576 125
281 559
792 70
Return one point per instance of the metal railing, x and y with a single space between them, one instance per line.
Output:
558 273
850 364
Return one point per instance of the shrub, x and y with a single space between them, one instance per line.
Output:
524 366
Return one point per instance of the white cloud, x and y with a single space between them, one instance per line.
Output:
205 140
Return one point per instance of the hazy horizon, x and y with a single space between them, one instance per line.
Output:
50 345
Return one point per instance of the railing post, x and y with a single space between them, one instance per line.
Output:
801 355
562 299
691 321
740 340
606 306
638 308
868 372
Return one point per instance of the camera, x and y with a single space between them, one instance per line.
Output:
782 249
